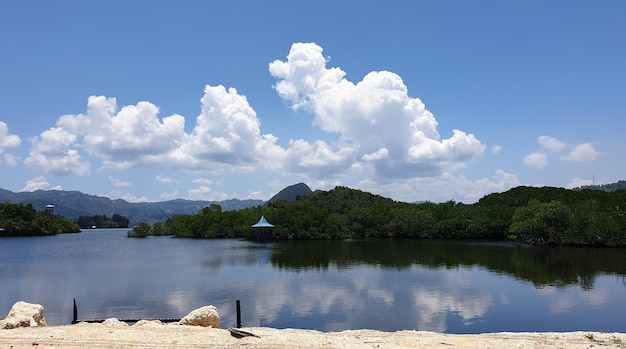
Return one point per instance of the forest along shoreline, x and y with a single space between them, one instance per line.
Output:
538 216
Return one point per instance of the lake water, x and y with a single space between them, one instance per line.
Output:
389 285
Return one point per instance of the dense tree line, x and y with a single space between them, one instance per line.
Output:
102 221
550 216
24 220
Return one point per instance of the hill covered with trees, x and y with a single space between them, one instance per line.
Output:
606 187
546 216
24 220
292 192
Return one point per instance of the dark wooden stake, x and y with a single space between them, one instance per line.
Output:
75 313
238 313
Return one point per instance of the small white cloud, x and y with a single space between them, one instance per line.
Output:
496 149
206 193
164 180
324 184
504 180
277 185
536 160
258 195
7 140
582 153
37 183
118 183
9 160
127 197
551 143
203 181
169 196
579 182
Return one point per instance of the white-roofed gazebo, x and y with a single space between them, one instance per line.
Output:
262 229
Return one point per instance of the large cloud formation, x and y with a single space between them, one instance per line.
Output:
226 134
378 123
381 132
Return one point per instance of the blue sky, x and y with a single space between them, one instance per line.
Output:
412 100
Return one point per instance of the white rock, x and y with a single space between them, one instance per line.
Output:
114 322
24 314
148 323
206 316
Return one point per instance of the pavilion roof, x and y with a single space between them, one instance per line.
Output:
262 223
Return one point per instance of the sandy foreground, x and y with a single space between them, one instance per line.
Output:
151 335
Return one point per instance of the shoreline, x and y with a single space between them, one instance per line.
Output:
150 334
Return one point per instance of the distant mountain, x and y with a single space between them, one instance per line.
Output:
292 192
606 187
72 204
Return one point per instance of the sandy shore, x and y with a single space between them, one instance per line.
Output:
151 335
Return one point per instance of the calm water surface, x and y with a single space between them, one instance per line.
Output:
454 287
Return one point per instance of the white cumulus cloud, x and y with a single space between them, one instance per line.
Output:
381 132
227 132
133 136
551 143
54 153
9 160
226 136
7 140
582 153
39 183
207 193
203 181
163 179
116 182
127 197
376 119
536 160
579 182
169 196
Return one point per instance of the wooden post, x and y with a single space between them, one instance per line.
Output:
238 313
75 320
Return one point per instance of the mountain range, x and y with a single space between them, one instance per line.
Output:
72 204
